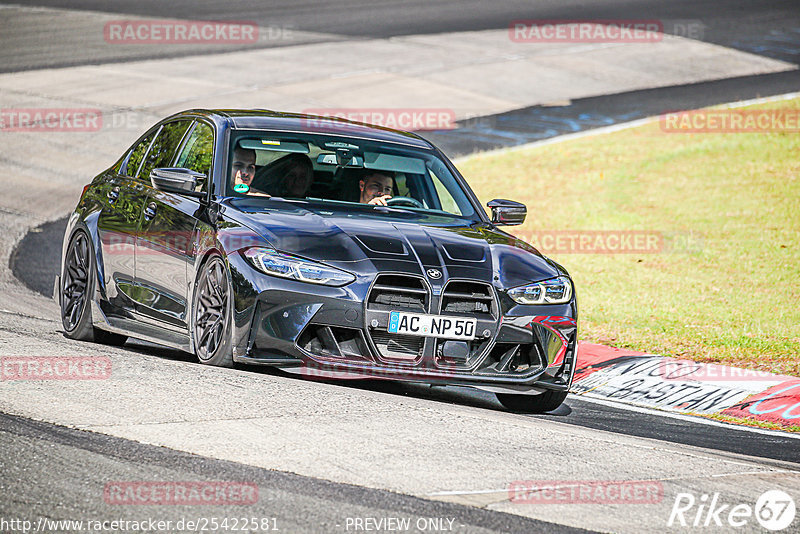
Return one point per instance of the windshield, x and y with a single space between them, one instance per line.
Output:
332 169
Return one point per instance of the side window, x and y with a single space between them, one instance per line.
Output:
164 147
198 152
130 167
447 201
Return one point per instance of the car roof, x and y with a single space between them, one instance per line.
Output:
263 119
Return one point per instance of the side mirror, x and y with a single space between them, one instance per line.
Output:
177 180
507 212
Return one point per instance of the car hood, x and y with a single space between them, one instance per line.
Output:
366 240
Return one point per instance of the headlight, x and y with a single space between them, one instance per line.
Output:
552 291
276 263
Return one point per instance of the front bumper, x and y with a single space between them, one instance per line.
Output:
341 333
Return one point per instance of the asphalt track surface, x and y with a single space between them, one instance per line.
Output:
536 123
89 461
770 28
302 503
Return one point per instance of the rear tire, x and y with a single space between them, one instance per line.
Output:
541 403
75 294
211 309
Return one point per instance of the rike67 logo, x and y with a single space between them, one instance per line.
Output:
774 510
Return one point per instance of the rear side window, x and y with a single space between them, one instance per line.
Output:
137 154
198 152
164 147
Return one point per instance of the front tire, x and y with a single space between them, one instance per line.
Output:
211 325
77 282
542 403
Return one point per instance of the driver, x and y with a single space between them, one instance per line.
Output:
376 187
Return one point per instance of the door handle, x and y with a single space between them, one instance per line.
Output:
113 194
150 211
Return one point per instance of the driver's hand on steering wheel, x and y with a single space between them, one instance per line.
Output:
380 201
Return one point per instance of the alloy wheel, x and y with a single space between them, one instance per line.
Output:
76 282
211 311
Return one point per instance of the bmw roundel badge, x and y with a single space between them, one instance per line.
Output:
435 273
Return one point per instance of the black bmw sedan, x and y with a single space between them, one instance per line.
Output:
321 246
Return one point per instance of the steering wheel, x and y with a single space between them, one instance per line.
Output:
404 201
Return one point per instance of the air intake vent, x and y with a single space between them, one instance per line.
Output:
512 358
398 347
334 342
395 292
471 298
386 245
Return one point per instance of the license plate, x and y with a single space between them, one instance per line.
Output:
418 324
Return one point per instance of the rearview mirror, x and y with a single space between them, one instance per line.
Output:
507 212
178 180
